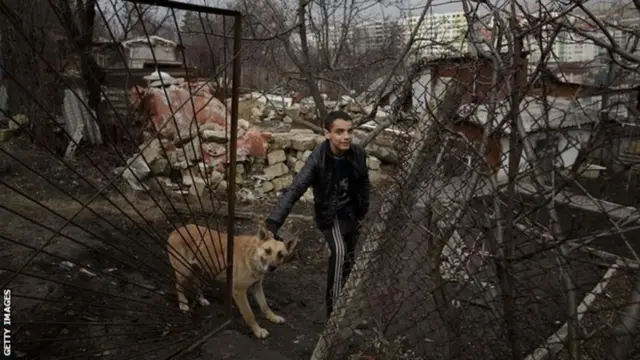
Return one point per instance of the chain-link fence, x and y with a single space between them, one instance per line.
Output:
490 241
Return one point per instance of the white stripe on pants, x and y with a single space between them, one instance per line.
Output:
340 257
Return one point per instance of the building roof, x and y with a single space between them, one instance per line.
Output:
595 73
562 113
152 40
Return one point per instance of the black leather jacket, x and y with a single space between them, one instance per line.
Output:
318 173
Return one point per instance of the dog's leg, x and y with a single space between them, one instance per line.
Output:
181 279
258 294
197 281
240 297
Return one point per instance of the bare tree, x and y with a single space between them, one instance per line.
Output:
325 42
122 20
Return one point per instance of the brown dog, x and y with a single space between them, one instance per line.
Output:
253 256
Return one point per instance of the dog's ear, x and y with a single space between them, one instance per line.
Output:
291 241
264 234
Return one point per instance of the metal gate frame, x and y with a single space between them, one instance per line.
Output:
231 188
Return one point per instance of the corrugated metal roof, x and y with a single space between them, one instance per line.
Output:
561 113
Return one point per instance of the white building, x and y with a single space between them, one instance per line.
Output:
364 36
439 33
569 45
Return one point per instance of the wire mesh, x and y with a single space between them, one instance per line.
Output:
482 247
108 113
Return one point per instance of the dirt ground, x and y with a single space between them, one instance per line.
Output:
102 288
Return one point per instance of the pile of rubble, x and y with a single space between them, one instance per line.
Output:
182 157
287 155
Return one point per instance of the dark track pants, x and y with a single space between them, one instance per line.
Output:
341 239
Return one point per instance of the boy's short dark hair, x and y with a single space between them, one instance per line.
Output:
335 115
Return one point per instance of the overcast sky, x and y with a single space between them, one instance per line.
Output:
414 7
399 8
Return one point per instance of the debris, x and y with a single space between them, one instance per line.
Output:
197 142
87 272
67 264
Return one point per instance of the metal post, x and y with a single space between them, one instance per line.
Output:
231 188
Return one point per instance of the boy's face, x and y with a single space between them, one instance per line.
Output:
340 134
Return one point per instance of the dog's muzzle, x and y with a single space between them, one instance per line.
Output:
271 268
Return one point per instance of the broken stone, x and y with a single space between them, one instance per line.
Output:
308 195
160 167
373 163
282 182
191 176
305 155
242 155
301 131
274 171
152 150
221 189
271 115
258 166
137 170
243 124
291 161
239 179
217 136
383 153
280 141
374 176
303 142
297 167
162 183
268 186
18 121
169 113
185 134
320 139
177 160
276 156
192 150
198 187
215 178
352 107
256 113
287 119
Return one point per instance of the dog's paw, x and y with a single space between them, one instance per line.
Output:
184 307
277 319
260 333
203 302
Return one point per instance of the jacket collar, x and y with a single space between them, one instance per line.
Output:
326 150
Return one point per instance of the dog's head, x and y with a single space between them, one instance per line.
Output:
271 252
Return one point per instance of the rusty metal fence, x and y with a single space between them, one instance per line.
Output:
96 173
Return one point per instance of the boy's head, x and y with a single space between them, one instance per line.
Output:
338 129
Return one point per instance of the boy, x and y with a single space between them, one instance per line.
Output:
337 172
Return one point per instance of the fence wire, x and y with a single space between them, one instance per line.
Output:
491 241
118 113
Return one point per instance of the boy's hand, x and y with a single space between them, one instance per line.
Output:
270 228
